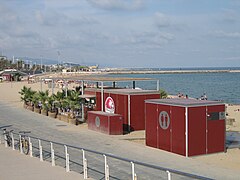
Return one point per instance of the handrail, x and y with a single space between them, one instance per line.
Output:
127 160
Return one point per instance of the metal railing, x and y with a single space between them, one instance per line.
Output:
62 153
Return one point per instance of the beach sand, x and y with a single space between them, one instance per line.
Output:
230 160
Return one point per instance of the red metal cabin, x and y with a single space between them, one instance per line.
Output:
185 126
127 102
130 104
107 123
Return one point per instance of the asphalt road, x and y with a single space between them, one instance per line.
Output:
54 130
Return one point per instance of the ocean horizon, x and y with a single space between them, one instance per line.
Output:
178 68
217 86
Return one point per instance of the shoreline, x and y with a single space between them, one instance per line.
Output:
121 71
170 71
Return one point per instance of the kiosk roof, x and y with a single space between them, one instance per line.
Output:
183 102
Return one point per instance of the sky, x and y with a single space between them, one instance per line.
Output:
123 33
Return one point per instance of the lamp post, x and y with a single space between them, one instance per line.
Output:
58 53
41 62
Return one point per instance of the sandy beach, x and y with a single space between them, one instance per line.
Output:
230 160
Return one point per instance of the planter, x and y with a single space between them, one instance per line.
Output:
59 116
73 121
62 117
44 112
52 114
29 107
25 105
37 110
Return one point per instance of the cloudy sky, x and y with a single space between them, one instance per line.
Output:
124 33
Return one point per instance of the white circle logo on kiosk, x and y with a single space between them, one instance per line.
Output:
109 105
97 121
164 120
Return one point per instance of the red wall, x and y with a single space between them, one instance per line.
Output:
137 113
151 116
115 125
197 130
90 91
171 139
164 135
216 131
121 107
98 101
178 130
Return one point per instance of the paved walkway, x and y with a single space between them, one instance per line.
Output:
16 166
52 129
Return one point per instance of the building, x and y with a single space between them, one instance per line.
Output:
12 75
187 127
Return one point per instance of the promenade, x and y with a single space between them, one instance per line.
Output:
16 166
55 130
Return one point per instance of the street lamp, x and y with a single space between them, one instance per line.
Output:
58 52
41 62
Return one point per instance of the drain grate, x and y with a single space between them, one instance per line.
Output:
61 125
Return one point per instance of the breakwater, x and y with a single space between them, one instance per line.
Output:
169 71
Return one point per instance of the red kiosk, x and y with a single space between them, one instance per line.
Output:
128 102
185 126
104 122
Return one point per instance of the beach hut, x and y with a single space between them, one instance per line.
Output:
107 123
130 104
187 127
127 102
12 75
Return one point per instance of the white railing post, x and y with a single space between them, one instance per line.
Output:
40 150
169 175
85 176
13 144
83 156
134 176
107 172
20 143
5 138
30 147
52 154
66 151
106 168
67 159
67 163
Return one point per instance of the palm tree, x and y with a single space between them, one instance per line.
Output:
52 106
74 95
43 96
37 103
24 94
163 94
43 100
27 95
58 96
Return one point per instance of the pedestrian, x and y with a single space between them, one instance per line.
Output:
204 96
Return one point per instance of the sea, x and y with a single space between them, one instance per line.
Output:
224 86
